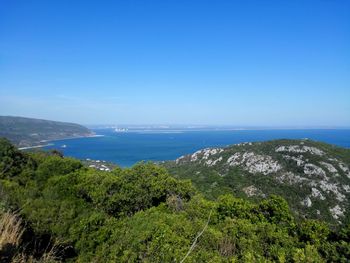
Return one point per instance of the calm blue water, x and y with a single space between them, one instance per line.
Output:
128 148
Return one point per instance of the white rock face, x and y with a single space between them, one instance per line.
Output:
317 194
307 202
213 162
194 156
346 188
311 169
205 153
234 159
254 163
291 178
329 167
299 149
337 212
209 152
178 160
344 168
332 188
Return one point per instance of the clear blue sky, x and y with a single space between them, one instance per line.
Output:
243 63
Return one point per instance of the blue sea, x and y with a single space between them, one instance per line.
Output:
128 148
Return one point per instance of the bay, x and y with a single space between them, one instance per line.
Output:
128 148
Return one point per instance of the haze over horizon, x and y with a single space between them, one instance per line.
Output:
239 63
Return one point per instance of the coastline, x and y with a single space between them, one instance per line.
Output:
36 146
77 137
51 144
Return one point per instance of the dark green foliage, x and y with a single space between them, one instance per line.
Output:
314 232
229 206
56 165
12 162
142 214
124 192
276 210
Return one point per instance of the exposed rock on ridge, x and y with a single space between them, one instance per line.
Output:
314 177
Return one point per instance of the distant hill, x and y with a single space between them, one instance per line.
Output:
313 177
25 132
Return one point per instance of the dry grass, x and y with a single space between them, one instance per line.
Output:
11 229
175 203
226 247
47 257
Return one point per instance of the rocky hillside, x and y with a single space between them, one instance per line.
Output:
314 177
25 132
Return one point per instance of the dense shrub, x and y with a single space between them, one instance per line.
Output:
144 214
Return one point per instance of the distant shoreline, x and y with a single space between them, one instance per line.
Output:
77 137
37 146
51 144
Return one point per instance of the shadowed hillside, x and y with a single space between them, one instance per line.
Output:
26 132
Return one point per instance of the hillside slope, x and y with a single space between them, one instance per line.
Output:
142 214
313 177
30 132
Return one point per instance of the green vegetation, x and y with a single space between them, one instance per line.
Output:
142 214
25 132
313 177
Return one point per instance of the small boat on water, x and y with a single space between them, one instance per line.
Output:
64 146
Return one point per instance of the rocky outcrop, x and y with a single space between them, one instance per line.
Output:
309 173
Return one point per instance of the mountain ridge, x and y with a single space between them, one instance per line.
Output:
313 177
28 132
